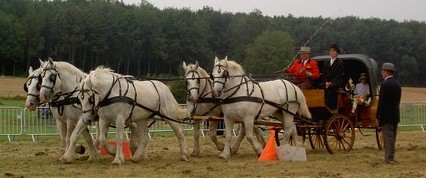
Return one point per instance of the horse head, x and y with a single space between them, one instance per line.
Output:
49 78
88 100
58 79
32 87
226 73
196 80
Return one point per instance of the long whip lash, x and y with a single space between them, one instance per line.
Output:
329 20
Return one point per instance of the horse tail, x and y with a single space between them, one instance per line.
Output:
173 107
303 106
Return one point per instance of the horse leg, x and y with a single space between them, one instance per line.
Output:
213 135
140 153
259 136
177 128
101 137
98 132
289 129
196 150
119 156
249 135
70 151
62 127
134 137
226 153
93 154
237 143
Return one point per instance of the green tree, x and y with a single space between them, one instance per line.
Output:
270 51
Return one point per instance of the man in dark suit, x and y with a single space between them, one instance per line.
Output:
388 109
333 75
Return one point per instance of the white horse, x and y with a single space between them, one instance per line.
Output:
201 102
118 100
58 87
245 101
32 87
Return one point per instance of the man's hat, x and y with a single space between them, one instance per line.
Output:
334 46
305 49
363 76
388 66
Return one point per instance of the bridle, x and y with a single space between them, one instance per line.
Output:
225 74
91 99
195 76
52 77
29 82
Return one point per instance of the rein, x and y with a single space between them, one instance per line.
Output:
68 99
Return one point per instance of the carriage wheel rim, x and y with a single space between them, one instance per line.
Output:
339 135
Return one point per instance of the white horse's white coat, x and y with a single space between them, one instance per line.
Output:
230 81
158 98
65 82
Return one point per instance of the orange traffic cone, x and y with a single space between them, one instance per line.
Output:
269 152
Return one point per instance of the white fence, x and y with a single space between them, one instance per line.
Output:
11 122
15 121
413 115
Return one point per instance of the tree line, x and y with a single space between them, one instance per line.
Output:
144 41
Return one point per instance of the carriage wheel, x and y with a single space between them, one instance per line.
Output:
316 139
380 139
339 134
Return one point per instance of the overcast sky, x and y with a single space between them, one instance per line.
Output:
399 10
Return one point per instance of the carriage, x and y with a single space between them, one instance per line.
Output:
335 129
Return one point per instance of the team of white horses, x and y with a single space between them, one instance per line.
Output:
78 99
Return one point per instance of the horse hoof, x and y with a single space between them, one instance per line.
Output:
234 151
224 156
92 158
184 158
65 160
195 154
135 160
116 162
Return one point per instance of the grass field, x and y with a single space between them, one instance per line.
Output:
40 159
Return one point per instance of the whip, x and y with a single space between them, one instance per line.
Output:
329 20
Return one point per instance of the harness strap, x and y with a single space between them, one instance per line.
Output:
263 100
125 99
134 101
68 100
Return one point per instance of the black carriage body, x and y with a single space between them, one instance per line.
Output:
354 65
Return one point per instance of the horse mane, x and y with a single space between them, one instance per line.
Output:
234 67
61 65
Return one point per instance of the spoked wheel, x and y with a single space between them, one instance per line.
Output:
380 139
339 134
316 138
